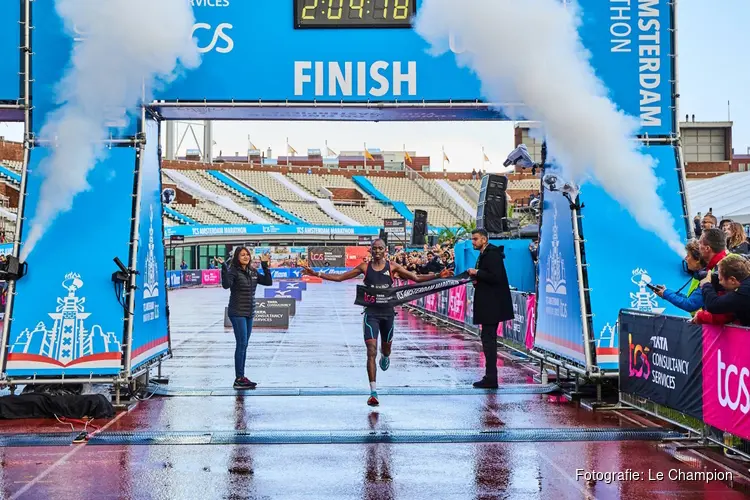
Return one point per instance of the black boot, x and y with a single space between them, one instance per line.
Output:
485 383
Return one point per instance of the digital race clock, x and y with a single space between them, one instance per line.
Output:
354 13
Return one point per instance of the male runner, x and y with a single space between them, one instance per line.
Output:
378 274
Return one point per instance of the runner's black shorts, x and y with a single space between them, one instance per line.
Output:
381 322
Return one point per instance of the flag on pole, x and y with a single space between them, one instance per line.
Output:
485 158
445 157
407 157
331 152
250 144
368 155
290 150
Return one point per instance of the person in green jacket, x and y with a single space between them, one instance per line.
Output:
692 300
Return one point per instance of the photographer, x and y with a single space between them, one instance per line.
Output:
692 300
734 277
242 279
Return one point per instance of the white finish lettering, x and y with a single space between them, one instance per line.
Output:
340 79
301 77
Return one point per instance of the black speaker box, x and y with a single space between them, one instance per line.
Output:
419 228
492 209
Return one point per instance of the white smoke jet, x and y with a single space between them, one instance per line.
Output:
552 76
128 47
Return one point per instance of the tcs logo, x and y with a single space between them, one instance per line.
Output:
727 397
220 41
638 363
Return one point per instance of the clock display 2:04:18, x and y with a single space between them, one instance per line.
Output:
356 11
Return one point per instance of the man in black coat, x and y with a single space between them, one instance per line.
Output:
492 301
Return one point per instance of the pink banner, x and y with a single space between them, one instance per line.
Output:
457 303
726 379
211 277
430 302
530 310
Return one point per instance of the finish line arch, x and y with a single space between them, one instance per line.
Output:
356 73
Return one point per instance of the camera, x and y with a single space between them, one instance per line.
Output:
520 156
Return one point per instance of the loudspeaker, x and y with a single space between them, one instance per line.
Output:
383 236
492 209
432 240
419 228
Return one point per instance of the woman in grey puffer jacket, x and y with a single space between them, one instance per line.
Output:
241 280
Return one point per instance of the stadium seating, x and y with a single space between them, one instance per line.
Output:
312 182
14 165
309 211
403 189
206 181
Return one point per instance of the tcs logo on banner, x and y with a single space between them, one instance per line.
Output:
638 363
724 380
220 40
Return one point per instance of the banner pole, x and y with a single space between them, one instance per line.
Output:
27 146
134 244
587 339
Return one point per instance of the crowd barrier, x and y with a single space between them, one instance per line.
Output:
456 306
212 277
695 376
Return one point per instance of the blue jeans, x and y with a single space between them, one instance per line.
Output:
243 327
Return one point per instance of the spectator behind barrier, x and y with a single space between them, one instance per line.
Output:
697 226
734 277
713 247
737 239
709 222
692 300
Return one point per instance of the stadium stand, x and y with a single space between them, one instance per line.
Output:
210 183
287 199
235 192
403 189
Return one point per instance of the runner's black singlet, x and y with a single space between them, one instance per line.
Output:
379 318
379 279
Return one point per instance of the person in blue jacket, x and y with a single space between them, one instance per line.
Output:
692 300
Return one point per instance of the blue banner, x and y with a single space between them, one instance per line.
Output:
518 262
292 285
261 229
630 49
618 271
559 328
66 317
272 293
10 52
151 326
53 46
632 53
174 279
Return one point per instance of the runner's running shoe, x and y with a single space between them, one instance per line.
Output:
373 401
385 362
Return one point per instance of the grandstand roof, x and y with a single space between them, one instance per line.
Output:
726 196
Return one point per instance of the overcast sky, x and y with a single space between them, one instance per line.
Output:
712 46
